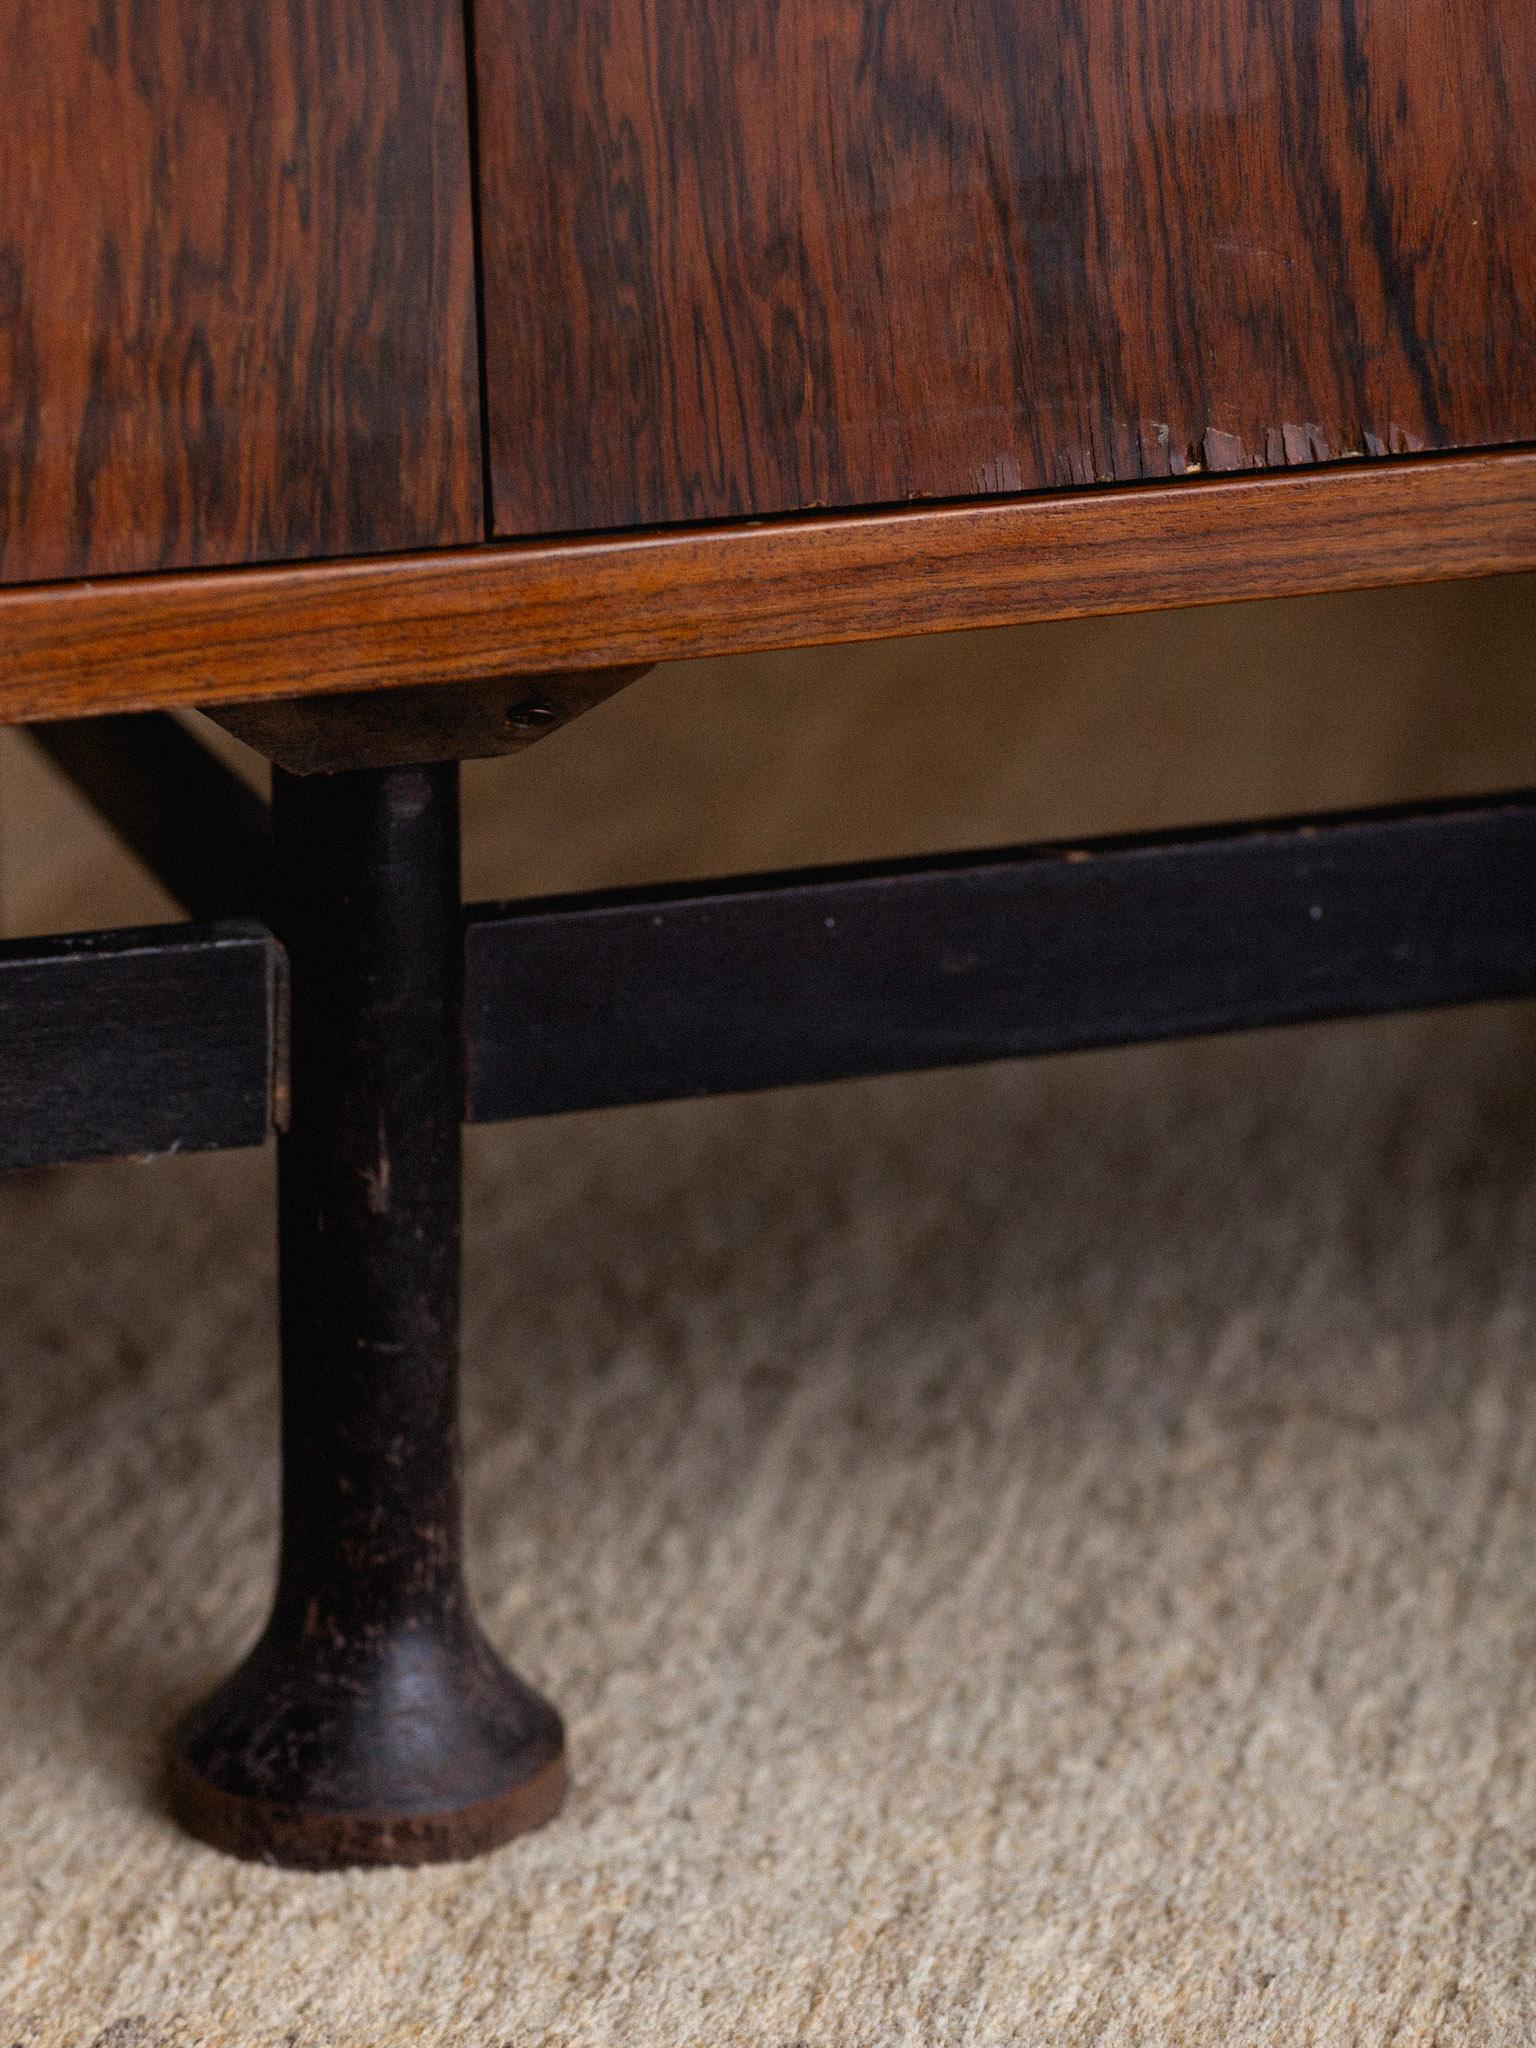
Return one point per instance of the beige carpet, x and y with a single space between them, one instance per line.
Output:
1039 1555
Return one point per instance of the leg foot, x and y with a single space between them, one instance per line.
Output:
319 1755
372 1723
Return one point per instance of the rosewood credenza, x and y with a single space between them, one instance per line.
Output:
392 380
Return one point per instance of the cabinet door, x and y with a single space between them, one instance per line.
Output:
237 317
748 256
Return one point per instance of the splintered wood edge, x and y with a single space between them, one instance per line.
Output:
535 607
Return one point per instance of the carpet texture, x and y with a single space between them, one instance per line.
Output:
1035 1555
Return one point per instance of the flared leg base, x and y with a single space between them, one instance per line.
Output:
424 1751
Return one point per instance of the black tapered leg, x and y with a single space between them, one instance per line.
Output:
372 1723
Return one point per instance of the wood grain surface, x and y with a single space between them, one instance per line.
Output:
784 254
236 283
527 607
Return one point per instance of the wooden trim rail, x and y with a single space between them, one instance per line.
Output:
467 614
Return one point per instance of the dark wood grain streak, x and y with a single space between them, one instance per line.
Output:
532 607
783 254
236 283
